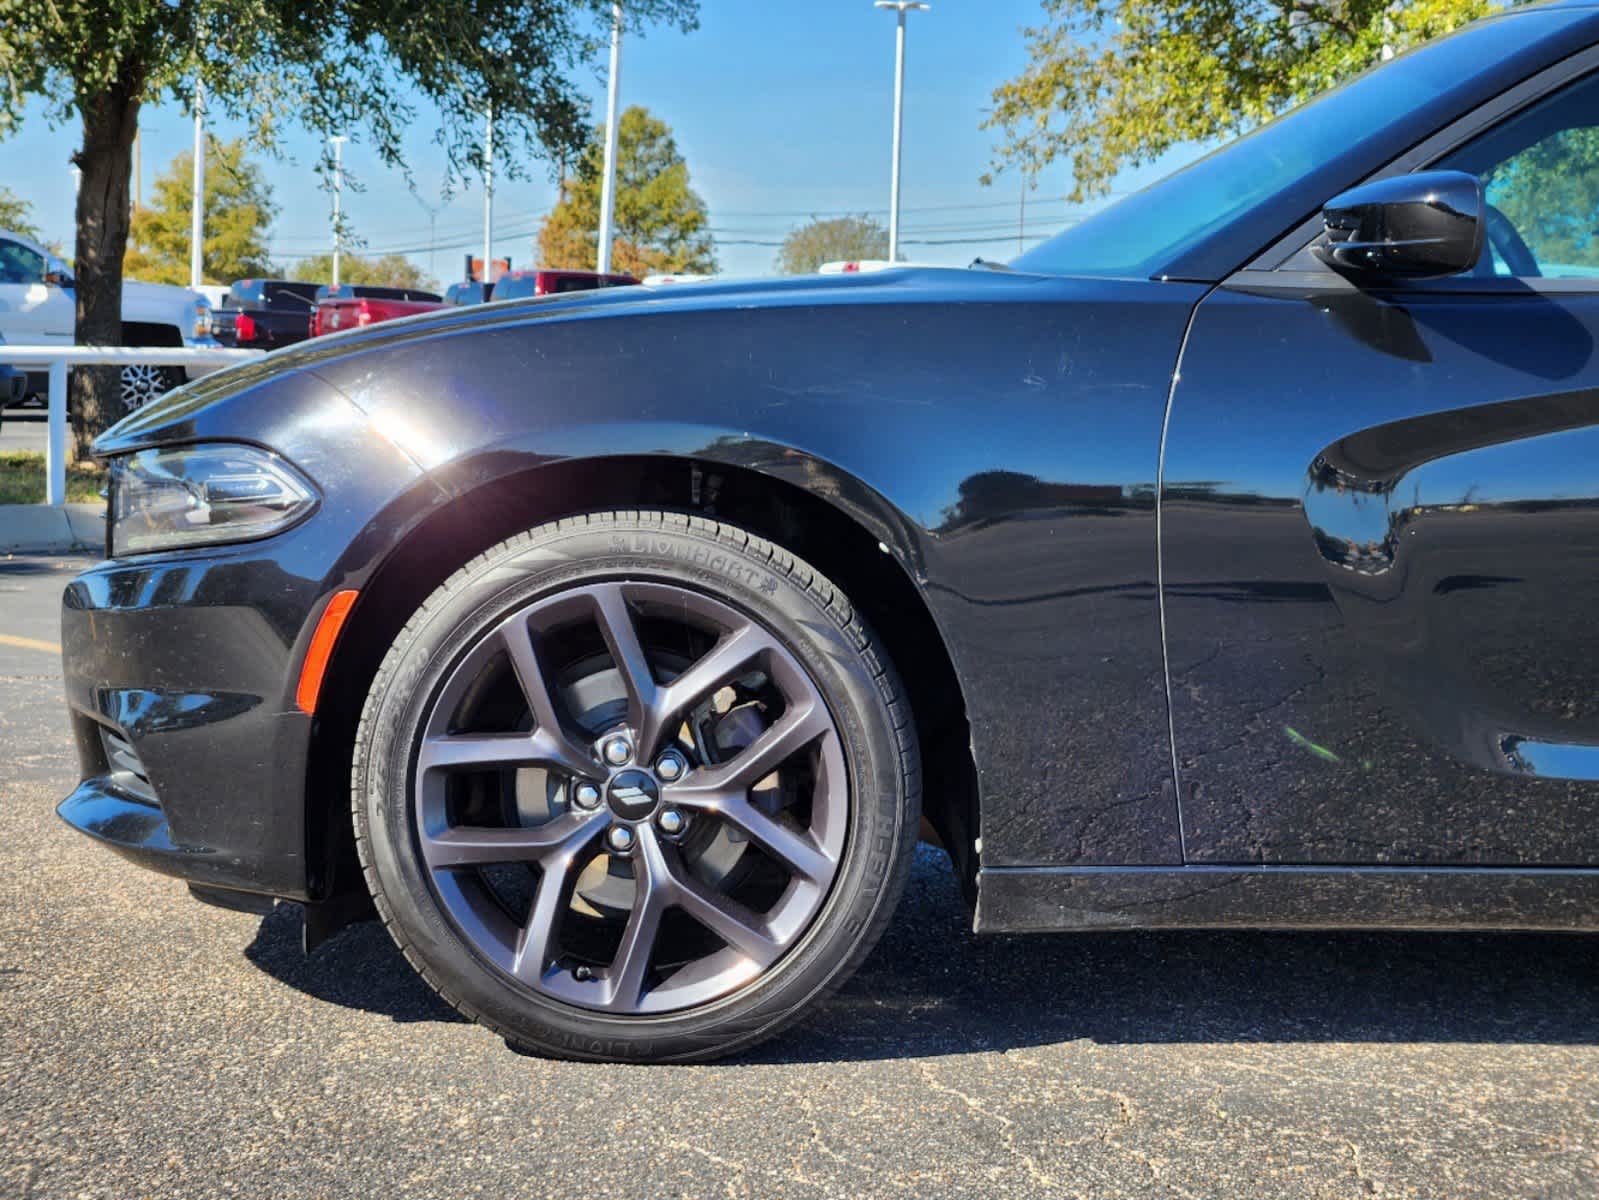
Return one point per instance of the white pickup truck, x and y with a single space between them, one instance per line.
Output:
37 308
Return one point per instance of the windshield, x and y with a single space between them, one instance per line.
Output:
1140 235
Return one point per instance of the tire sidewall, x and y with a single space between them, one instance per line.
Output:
686 552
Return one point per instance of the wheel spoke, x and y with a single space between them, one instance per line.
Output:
729 920
628 968
796 729
471 845
555 747
461 750
550 900
796 851
729 658
621 637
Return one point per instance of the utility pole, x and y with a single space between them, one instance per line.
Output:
338 141
608 185
488 197
197 205
900 7
138 168
1021 223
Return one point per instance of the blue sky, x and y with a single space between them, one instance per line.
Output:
782 110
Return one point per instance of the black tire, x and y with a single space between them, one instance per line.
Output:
789 601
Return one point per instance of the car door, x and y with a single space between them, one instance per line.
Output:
32 311
1380 533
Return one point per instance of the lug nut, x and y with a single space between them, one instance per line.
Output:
617 750
620 838
586 795
671 821
671 766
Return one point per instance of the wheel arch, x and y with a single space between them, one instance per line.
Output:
838 534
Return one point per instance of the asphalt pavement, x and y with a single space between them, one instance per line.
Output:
23 429
150 1046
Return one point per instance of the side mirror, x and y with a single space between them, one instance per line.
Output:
1419 226
57 273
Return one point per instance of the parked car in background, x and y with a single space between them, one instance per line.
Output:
265 314
13 386
37 308
542 281
352 306
470 292
215 293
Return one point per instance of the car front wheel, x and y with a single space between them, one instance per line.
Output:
635 786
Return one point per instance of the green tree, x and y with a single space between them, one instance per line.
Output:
391 270
660 221
16 215
1112 84
817 241
332 66
1550 193
238 210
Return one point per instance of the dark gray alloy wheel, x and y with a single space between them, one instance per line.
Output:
625 793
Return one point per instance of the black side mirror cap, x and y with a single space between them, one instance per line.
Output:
1421 226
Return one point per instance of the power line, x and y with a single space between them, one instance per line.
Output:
466 230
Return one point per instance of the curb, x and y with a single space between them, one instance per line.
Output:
43 528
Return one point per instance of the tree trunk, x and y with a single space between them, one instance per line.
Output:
110 120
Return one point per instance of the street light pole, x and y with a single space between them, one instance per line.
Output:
197 201
338 141
488 196
608 184
900 7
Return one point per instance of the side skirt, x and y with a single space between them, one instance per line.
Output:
1045 899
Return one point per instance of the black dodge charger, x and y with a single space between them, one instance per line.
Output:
1231 559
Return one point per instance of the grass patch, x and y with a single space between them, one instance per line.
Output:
22 479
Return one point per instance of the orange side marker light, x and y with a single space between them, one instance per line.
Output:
322 643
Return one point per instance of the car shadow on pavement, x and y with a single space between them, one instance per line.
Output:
933 988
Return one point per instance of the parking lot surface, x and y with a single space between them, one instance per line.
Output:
156 1047
24 429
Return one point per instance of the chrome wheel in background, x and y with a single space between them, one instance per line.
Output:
142 383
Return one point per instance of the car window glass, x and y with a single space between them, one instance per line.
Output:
18 264
1540 172
279 295
514 288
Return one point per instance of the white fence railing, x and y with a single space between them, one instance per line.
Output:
59 358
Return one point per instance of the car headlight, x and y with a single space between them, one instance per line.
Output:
196 495
202 320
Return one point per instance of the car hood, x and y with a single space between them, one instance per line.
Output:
902 285
336 357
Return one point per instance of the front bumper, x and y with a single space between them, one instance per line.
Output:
190 660
179 663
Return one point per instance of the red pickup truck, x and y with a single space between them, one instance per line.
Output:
349 306
545 281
